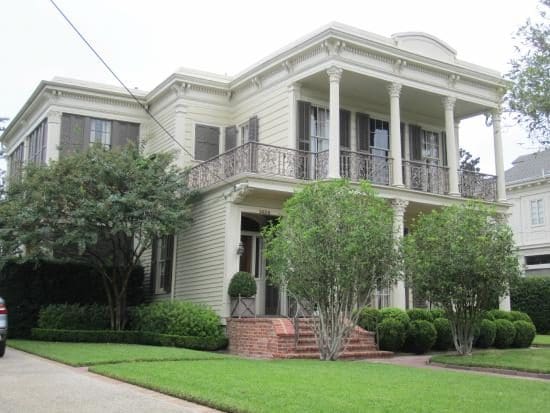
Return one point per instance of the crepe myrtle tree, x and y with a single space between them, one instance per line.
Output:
461 257
101 207
332 248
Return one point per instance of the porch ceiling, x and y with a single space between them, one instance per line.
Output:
373 93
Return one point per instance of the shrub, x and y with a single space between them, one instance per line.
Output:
176 318
532 296
242 285
391 334
419 314
421 336
495 314
437 313
525 333
505 333
368 318
74 317
209 343
395 314
487 332
444 340
519 316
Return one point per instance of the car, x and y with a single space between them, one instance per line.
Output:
3 326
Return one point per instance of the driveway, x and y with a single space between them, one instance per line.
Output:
32 384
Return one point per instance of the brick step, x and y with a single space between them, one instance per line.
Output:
349 348
356 355
352 341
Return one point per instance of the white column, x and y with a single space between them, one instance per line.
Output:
53 135
353 132
407 149
398 298
499 160
334 74
232 259
294 91
452 150
180 114
457 140
504 303
394 89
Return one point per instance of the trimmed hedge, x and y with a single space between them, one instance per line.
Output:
525 333
368 318
209 343
395 314
242 284
420 314
421 336
74 317
391 334
505 333
487 333
444 340
507 315
27 286
532 296
437 313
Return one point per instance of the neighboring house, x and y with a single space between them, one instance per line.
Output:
528 190
340 102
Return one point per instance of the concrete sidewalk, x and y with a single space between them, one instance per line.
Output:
32 384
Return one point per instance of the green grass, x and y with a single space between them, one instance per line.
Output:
531 360
87 354
542 340
237 385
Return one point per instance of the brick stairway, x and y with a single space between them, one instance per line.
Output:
275 338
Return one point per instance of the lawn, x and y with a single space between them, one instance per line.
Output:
542 340
238 385
87 354
532 360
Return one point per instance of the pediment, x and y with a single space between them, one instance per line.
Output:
425 44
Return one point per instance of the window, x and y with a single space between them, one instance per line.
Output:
379 137
100 132
430 147
161 264
17 158
319 128
244 132
537 259
207 142
382 297
37 144
537 212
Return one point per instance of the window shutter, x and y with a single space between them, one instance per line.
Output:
303 133
402 140
123 133
230 137
444 148
153 274
73 134
416 142
253 129
345 116
207 139
362 127
169 266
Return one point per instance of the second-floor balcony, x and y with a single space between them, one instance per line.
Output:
275 161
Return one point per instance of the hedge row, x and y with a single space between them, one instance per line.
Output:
532 296
209 343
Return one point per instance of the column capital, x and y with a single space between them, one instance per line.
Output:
399 205
394 89
496 114
180 89
334 74
449 102
295 87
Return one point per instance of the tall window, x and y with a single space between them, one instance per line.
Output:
319 128
379 137
100 132
37 144
207 142
537 212
244 132
161 264
17 158
430 147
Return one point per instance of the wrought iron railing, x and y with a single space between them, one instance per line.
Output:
426 177
357 166
478 185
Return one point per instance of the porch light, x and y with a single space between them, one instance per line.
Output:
240 248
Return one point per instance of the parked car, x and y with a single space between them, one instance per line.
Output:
3 326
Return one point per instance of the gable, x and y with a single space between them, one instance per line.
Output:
426 45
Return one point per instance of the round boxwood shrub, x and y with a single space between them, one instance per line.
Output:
505 333
421 336
498 315
368 318
444 340
391 334
437 313
525 333
487 332
519 316
419 314
243 285
395 314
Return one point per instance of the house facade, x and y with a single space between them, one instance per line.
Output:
528 190
340 102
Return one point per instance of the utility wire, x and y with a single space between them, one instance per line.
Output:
144 107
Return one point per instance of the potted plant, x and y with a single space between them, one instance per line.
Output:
242 290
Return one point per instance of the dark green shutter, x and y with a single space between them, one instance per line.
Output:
73 134
362 128
402 140
230 137
253 129
415 133
444 148
153 274
345 116
303 134
169 266
123 133
207 140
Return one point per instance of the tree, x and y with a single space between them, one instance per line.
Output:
100 207
468 162
461 257
529 96
332 249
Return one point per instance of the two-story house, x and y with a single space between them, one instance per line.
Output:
340 102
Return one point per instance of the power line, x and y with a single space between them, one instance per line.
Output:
144 107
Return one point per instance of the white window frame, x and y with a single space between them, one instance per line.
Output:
244 132
318 131
159 262
536 212
431 140
101 135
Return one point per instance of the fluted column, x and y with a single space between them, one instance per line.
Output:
53 135
334 74
499 159
394 90
452 150
398 295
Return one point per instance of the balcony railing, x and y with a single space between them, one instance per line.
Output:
269 160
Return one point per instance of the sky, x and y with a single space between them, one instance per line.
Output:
145 41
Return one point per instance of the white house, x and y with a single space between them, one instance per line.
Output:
340 102
528 190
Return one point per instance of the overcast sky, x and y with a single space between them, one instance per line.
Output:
145 41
